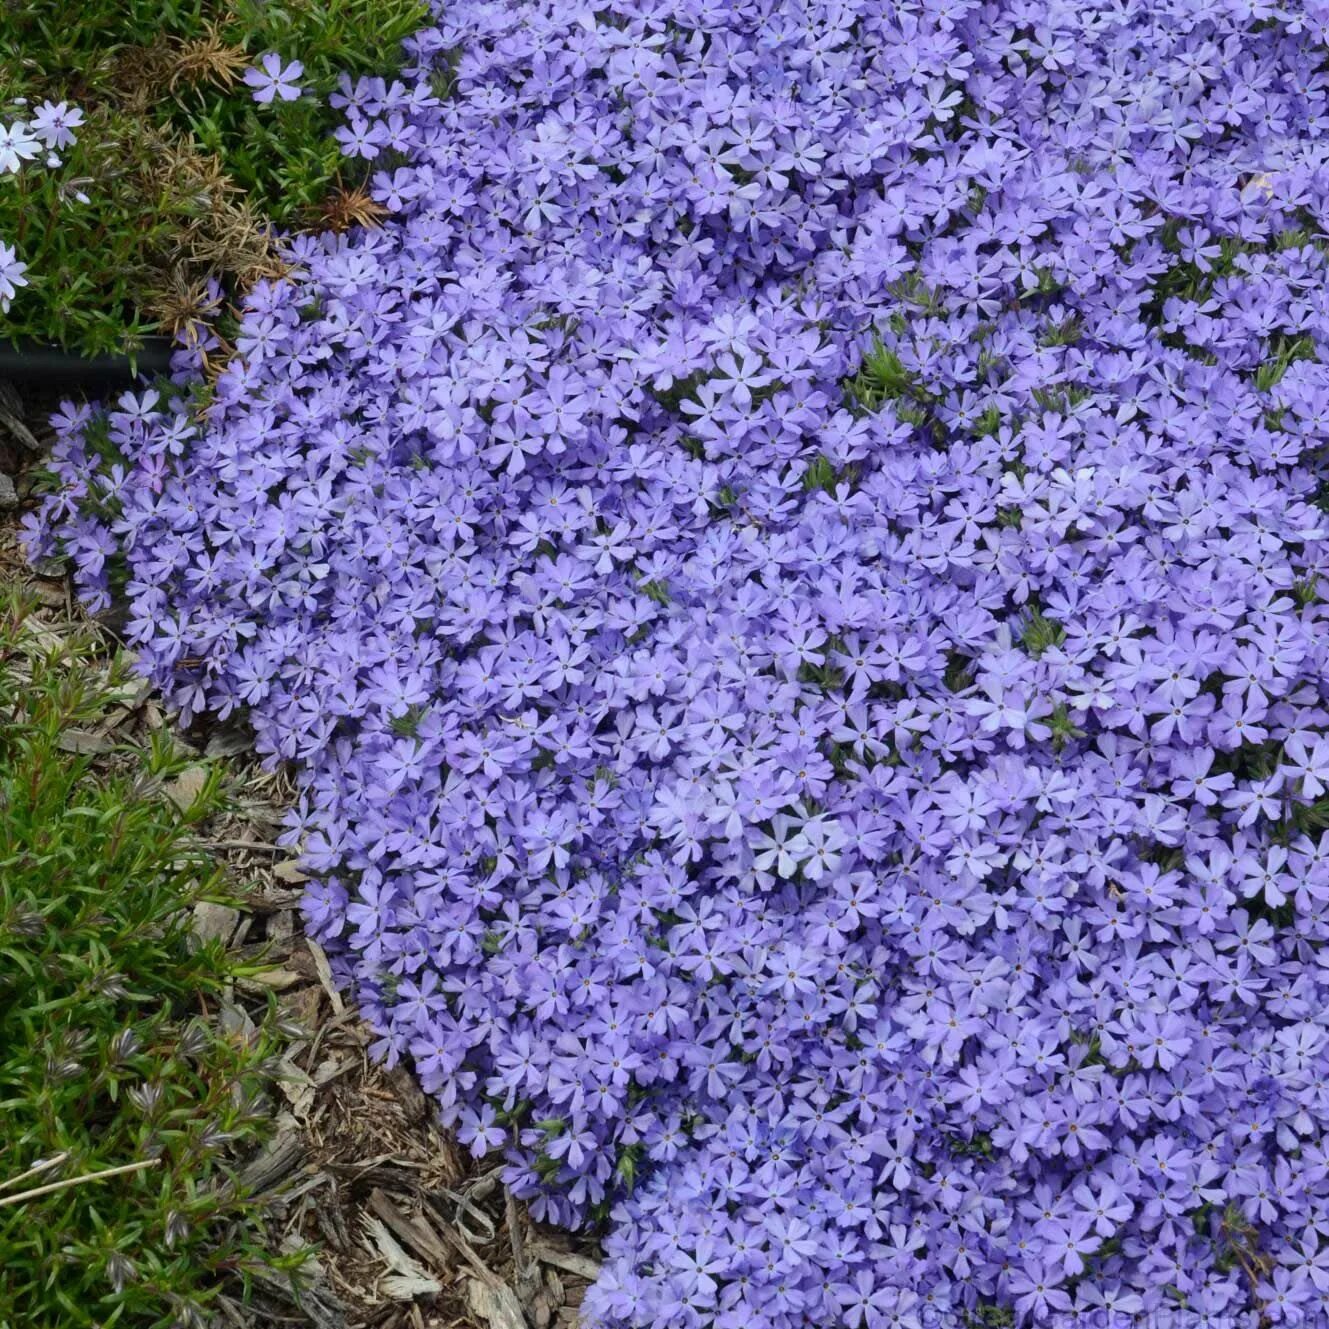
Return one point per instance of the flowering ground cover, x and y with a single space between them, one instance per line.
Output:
791 573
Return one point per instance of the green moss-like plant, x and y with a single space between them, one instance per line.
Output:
107 1059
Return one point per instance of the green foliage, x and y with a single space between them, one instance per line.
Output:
978 1146
626 1167
183 173
882 377
1040 633
989 1315
959 673
104 1056
820 474
1063 334
1062 728
1283 351
656 590
97 270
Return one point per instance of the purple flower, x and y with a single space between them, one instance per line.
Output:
55 122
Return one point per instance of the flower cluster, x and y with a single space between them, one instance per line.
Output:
791 573
44 133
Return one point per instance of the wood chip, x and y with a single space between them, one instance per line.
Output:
288 871
525 1271
320 1305
495 1304
490 1299
410 1097
281 925
406 1279
11 417
419 1236
269 900
274 1162
570 1262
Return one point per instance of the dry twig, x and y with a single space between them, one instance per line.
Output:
79 1181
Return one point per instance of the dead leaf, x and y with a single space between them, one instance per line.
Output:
228 743
324 971
235 1021
554 1288
542 1311
330 1068
295 1085
186 787
272 980
83 743
288 871
301 1006
41 633
281 925
214 922
128 694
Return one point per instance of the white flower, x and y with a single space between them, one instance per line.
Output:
12 269
17 145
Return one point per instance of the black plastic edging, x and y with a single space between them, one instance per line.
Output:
37 364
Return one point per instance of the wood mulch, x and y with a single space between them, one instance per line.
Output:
409 1232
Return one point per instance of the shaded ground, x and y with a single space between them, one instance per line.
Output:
410 1232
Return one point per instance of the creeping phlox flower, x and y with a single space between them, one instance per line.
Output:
54 124
792 573
51 126
12 269
18 144
271 79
